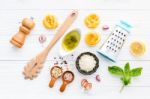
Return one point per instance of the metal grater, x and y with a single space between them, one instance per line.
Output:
112 46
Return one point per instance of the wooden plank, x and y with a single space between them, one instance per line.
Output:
33 47
75 4
12 82
110 17
12 60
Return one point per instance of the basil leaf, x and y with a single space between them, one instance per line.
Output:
115 70
126 77
126 80
126 73
136 72
127 69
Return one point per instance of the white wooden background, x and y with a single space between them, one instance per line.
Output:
12 60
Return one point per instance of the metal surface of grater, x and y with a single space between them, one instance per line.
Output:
112 46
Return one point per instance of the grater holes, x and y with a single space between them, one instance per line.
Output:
110 48
116 46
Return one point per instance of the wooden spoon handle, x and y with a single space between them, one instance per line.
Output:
63 87
64 27
52 82
37 62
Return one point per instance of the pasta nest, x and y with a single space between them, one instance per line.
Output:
92 21
50 22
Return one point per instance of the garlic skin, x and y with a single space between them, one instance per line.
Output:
105 27
98 78
42 38
86 85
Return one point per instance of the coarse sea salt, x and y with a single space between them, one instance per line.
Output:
87 63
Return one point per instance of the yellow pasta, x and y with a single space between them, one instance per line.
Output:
50 22
92 38
92 21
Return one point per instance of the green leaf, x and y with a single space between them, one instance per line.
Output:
136 72
127 77
126 80
126 73
115 70
127 68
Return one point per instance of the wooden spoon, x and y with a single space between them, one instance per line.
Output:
56 72
34 66
67 78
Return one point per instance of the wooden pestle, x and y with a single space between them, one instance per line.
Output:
19 38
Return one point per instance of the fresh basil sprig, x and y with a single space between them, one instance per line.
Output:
126 74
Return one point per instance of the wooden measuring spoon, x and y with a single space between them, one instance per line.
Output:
34 66
67 78
56 72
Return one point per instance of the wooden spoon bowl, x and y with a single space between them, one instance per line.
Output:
56 72
67 78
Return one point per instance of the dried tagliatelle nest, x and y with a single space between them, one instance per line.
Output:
92 38
92 21
50 22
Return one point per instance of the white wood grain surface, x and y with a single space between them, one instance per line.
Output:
12 60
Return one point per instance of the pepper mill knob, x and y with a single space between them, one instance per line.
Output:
19 38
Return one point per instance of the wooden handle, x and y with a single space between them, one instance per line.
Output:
38 61
52 82
67 23
63 87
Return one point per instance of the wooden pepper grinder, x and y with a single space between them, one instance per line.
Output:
19 38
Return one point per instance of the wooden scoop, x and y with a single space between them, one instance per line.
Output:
67 78
34 66
56 72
